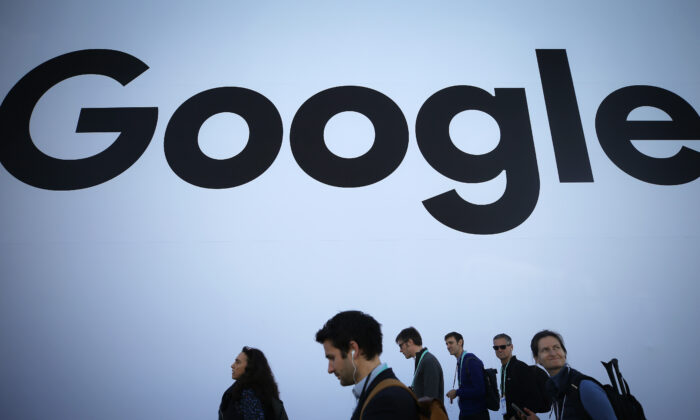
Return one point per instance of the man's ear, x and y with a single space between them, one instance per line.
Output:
461 342
354 349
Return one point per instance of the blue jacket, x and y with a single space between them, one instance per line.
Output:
471 391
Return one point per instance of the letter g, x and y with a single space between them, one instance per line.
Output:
20 156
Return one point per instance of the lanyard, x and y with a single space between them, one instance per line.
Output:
559 412
413 382
369 378
459 365
503 378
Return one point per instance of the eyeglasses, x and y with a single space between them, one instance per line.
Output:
501 347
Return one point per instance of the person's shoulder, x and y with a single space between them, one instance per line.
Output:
515 361
590 386
519 364
595 401
397 392
539 373
385 374
430 357
248 393
394 399
473 358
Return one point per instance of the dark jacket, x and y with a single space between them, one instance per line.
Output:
393 403
247 405
471 391
566 388
428 380
525 386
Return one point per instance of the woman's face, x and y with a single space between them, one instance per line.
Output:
238 366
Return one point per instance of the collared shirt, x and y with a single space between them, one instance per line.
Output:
357 389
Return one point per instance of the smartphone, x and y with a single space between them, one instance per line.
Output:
518 410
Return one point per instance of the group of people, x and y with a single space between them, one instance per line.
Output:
352 343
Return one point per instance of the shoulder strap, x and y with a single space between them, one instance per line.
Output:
466 362
609 368
576 382
576 387
386 383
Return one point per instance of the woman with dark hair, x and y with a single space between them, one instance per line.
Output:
254 395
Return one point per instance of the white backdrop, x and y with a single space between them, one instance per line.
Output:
130 299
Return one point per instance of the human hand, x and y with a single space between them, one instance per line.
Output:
452 394
530 415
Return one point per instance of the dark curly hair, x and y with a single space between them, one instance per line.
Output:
353 326
258 377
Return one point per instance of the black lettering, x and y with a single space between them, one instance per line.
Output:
615 133
568 140
314 157
20 156
515 154
188 161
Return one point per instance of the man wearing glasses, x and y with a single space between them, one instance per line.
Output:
427 374
520 384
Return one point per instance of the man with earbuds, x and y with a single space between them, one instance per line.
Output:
352 342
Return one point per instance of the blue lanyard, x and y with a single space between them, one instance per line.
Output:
413 382
503 378
369 378
459 368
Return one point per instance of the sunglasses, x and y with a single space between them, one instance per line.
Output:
501 347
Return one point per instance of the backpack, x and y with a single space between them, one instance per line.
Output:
624 404
493 398
428 408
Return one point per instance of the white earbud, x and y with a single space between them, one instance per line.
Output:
354 368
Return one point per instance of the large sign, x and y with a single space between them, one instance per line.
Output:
179 181
515 153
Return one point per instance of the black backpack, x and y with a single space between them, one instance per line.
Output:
624 404
493 399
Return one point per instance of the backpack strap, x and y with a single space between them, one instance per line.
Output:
386 383
467 363
609 368
575 387
624 388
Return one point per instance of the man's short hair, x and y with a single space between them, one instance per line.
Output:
503 335
457 336
534 344
410 333
353 326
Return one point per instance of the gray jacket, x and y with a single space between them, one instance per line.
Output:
428 380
